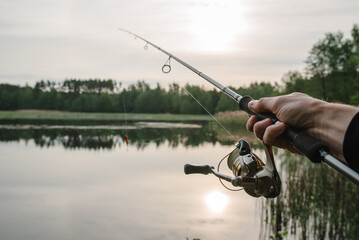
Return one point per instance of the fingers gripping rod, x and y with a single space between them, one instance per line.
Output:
312 148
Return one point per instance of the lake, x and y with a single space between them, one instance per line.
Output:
60 180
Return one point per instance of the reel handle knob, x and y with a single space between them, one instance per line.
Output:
305 143
199 169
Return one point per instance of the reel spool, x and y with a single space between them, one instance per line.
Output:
256 178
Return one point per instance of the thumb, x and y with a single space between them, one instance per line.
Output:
252 105
265 104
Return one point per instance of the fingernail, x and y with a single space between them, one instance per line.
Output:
279 124
252 104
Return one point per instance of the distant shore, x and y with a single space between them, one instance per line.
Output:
225 117
234 121
60 115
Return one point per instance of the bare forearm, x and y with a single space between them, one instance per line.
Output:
331 124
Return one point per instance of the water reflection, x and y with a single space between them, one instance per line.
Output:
216 201
95 192
104 135
109 139
54 193
110 136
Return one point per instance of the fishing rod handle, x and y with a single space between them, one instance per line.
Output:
305 143
200 169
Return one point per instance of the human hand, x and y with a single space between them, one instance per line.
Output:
325 121
297 110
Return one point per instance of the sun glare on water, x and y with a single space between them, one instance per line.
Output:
216 24
216 202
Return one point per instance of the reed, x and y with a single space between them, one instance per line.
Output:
316 202
233 117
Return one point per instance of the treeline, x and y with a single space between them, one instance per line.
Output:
332 70
97 95
331 73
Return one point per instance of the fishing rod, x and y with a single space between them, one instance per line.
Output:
314 149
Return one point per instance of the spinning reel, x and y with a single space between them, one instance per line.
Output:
256 178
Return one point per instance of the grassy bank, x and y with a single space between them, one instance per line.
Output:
227 118
58 115
233 117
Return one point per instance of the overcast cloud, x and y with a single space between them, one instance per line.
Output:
235 42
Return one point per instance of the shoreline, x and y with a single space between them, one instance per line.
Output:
62 115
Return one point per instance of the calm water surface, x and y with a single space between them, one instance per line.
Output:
69 183
64 181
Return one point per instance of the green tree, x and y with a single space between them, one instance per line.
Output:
258 90
9 97
354 66
105 103
295 82
225 103
174 99
25 98
189 105
151 101
333 62
79 103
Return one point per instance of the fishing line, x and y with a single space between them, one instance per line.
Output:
124 110
220 180
209 113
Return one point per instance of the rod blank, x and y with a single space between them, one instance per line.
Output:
226 90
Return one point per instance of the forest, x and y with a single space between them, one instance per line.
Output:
331 73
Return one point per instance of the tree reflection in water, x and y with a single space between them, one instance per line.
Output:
316 203
110 138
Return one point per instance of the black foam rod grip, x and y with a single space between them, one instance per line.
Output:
200 169
305 143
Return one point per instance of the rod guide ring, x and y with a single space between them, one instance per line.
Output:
166 68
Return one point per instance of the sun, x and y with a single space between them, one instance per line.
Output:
216 24
216 202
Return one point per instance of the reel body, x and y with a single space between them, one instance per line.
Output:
256 178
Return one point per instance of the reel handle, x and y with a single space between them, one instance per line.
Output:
206 169
305 143
199 169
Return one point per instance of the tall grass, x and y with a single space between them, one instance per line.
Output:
316 203
233 117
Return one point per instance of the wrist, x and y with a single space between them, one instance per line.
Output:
331 125
319 110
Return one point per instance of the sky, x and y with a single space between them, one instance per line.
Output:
234 42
